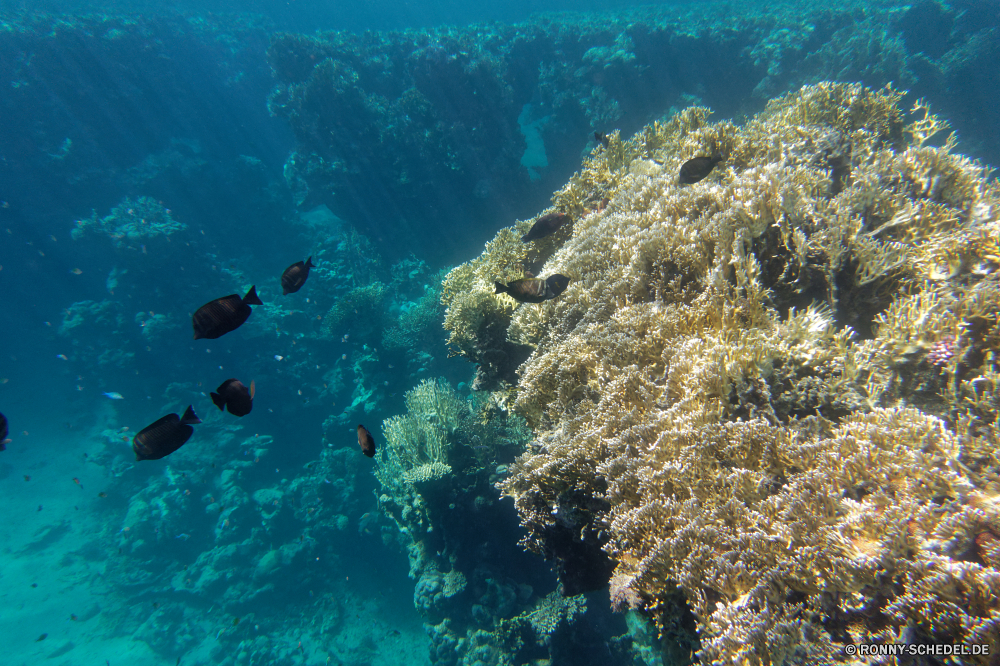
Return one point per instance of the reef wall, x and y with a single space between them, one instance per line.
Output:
463 129
484 601
774 390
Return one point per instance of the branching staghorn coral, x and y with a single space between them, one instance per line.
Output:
775 388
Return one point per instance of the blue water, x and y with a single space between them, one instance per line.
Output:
154 157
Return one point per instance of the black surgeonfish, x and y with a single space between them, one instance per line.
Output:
164 436
234 395
697 168
216 318
295 276
366 441
3 432
546 225
534 290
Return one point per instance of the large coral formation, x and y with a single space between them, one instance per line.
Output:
775 388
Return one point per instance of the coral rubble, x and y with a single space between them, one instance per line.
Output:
773 390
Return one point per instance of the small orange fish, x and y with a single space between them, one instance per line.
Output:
76 271
77 482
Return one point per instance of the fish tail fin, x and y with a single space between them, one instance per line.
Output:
251 298
309 263
253 388
218 400
189 416
500 288
525 239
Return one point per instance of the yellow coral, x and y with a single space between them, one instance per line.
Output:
727 392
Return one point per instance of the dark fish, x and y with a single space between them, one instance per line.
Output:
164 436
216 318
696 169
233 394
366 442
547 224
601 138
3 433
41 638
534 290
295 276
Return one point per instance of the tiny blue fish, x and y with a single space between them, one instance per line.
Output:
114 395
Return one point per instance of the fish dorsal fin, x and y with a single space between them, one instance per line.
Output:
309 263
253 388
251 298
189 416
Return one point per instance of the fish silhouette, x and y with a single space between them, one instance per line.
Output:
366 441
164 436
697 169
3 433
546 225
534 290
216 318
295 276
233 394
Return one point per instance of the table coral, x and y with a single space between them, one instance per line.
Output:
741 393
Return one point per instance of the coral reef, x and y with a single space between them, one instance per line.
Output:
483 602
131 223
773 390
492 117
232 536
